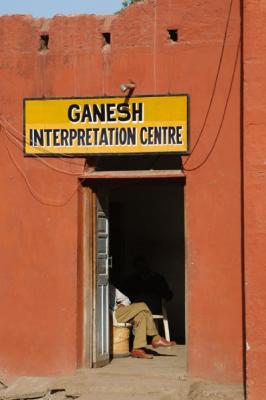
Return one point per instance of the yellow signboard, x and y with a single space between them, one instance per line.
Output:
109 125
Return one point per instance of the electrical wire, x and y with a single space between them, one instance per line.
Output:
58 170
34 193
3 120
14 139
215 81
205 119
155 49
213 90
223 115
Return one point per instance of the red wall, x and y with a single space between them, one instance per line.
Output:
39 241
255 194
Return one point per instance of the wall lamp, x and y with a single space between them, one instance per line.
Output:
127 86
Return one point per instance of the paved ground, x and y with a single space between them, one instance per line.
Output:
162 378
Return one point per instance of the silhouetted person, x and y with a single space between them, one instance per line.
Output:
147 286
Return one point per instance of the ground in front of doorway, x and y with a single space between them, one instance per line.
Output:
162 378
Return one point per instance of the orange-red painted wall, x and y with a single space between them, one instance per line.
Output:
255 194
38 205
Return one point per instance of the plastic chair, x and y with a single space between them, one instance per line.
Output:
164 318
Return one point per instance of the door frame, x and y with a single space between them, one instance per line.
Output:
85 276
86 273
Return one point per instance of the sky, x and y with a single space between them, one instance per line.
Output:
48 8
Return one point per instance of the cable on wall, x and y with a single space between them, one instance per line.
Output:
34 193
4 121
215 81
223 115
16 141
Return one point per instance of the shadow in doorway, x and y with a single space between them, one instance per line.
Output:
147 219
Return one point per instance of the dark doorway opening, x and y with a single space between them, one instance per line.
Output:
147 219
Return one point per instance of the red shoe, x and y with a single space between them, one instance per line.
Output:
162 343
140 353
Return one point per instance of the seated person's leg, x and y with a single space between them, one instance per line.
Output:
144 326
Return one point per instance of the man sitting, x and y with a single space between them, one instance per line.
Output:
141 317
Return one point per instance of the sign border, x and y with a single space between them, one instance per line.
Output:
86 155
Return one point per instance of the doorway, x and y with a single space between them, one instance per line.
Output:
147 221
130 219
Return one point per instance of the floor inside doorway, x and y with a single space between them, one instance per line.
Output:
131 378
162 378
167 362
